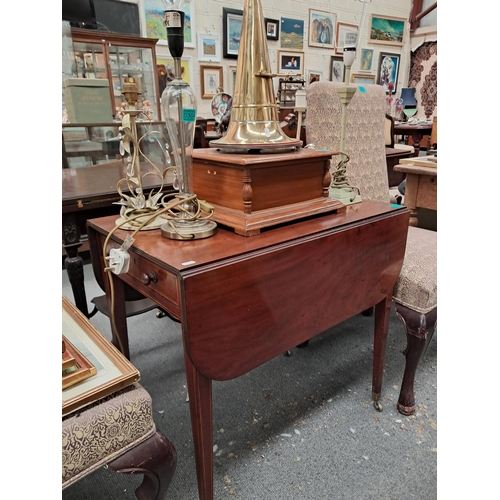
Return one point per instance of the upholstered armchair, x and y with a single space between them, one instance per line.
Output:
415 293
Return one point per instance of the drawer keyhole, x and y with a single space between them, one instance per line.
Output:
148 278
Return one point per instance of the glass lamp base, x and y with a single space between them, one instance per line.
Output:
188 230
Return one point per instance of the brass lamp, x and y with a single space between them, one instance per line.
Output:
340 188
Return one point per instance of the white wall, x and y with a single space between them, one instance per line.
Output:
208 20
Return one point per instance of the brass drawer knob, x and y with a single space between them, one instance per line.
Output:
148 278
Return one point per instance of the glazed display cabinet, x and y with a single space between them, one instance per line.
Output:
114 57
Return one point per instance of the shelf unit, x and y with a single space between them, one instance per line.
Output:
86 144
113 56
286 95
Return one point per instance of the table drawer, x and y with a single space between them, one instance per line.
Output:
153 281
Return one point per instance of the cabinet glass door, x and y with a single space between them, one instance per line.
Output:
89 60
137 63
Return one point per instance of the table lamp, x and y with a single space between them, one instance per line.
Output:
300 107
137 211
409 102
340 188
190 220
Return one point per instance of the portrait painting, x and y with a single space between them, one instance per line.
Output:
337 69
388 68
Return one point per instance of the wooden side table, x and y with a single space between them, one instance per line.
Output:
421 185
415 131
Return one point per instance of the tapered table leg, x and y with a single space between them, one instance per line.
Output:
200 402
382 314
115 297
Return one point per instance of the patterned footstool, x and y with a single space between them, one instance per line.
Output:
415 297
118 431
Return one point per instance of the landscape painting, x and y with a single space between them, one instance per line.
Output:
292 34
153 21
387 30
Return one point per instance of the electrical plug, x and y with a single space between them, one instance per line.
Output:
118 261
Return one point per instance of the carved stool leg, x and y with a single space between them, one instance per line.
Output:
419 329
156 458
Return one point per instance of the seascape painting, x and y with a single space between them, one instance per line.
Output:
292 34
387 30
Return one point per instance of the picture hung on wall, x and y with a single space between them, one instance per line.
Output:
152 21
366 60
290 62
232 80
388 68
337 69
362 78
321 29
211 80
292 34
208 48
387 30
165 70
272 28
314 75
341 32
231 30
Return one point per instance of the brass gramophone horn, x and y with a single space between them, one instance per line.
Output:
254 117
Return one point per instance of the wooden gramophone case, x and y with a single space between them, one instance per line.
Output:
250 192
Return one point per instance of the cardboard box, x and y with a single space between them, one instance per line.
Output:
87 100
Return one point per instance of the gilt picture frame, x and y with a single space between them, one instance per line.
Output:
114 371
212 77
362 78
387 30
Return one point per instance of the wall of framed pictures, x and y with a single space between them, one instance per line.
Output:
315 33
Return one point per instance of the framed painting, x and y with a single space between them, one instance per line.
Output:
362 78
291 62
211 80
388 68
208 48
337 69
231 30
152 21
387 30
113 370
314 75
232 80
272 28
292 34
321 29
165 70
366 60
340 37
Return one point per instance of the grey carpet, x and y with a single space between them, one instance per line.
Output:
297 427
